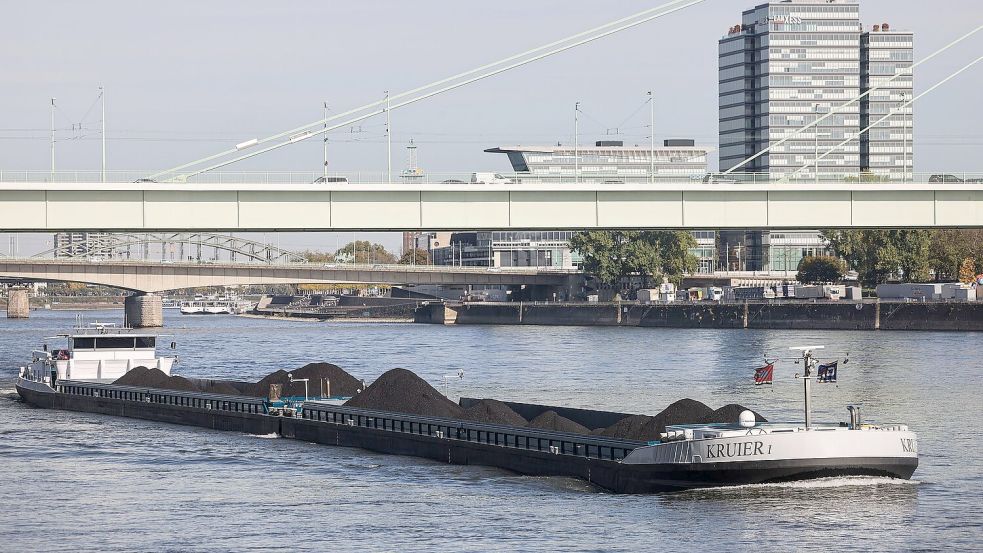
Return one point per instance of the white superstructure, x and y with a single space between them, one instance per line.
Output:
786 449
99 351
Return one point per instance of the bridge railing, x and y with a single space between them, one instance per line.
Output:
364 267
375 177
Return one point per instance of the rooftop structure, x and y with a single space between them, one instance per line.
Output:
608 160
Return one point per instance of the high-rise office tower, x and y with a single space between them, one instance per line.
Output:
886 151
789 63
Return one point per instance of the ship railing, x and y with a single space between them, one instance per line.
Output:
177 398
546 441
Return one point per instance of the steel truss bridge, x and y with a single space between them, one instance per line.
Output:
188 246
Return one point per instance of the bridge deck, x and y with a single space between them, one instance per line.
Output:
394 207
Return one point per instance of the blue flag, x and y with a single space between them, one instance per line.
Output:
827 372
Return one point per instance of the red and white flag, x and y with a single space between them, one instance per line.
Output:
764 375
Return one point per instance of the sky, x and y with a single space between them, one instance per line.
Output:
186 79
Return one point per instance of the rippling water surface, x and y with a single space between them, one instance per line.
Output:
77 481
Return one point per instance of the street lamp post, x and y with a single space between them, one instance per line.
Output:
52 138
102 95
651 138
325 168
389 145
576 142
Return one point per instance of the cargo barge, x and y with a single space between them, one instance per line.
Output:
686 456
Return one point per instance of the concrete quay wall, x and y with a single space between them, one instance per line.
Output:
806 316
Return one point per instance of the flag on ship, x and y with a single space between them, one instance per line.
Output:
764 375
827 372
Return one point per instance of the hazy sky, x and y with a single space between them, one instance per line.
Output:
186 79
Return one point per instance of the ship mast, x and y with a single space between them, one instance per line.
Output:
809 362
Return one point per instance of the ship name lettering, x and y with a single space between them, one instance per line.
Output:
739 449
909 445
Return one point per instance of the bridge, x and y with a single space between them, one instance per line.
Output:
271 207
118 244
149 276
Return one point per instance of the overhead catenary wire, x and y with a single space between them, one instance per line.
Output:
552 48
839 109
889 115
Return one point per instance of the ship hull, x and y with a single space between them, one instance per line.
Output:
615 476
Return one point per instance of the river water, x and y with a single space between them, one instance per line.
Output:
91 482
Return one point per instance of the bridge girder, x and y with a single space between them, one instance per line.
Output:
149 277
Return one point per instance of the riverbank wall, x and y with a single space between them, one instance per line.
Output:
868 315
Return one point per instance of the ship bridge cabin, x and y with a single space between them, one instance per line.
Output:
100 352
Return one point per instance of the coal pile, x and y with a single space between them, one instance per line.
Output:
492 411
179 383
223 388
732 413
402 391
685 411
143 377
342 383
645 428
549 420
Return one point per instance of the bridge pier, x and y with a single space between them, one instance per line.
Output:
18 303
143 311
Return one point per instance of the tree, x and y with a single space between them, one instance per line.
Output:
878 255
612 256
823 269
967 271
364 252
951 248
313 256
416 256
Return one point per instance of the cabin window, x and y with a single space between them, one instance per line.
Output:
146 342
114 342
83 343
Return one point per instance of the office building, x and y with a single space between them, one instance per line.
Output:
886 151
607 161
787 64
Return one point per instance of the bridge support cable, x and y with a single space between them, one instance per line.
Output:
310 130
886 117
840 109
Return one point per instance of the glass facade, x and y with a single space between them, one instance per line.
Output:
788 64
886 151
606 163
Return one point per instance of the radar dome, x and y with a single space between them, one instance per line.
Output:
746 419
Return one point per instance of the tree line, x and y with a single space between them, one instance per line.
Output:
905 255
877 255
365 252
